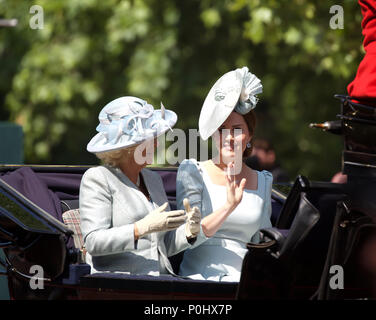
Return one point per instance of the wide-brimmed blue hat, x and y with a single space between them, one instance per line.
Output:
234 91
128 121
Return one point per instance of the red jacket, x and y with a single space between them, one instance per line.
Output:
363 87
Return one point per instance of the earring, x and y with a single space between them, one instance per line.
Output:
249 145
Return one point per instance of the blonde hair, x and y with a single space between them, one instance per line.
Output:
113 158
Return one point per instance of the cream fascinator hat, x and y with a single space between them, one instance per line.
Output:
235 90
127 121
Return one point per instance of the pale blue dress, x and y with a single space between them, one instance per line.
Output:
220 257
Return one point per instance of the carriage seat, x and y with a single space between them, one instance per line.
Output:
69 205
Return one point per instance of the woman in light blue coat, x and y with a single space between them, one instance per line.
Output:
126 221
234 200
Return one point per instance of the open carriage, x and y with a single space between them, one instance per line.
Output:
31 236
316 225
322 244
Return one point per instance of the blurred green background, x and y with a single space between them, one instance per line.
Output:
54 81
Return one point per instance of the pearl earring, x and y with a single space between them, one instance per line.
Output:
249 145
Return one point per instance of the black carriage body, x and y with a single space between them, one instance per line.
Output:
353 239
328 249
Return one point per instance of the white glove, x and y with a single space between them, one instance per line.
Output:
192 226
160 220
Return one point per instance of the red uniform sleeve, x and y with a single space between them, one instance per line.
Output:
363 87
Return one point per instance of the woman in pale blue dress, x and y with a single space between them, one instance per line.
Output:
234 200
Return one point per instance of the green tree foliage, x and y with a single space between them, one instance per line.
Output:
54 81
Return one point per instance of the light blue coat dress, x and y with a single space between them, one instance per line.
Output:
220 257
110 204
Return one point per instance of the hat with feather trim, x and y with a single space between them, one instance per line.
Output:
128 121
234 91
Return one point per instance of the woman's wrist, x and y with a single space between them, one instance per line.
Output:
229 207
211 223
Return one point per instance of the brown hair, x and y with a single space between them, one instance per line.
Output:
250 120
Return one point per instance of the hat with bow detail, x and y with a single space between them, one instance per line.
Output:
127 121
234 91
